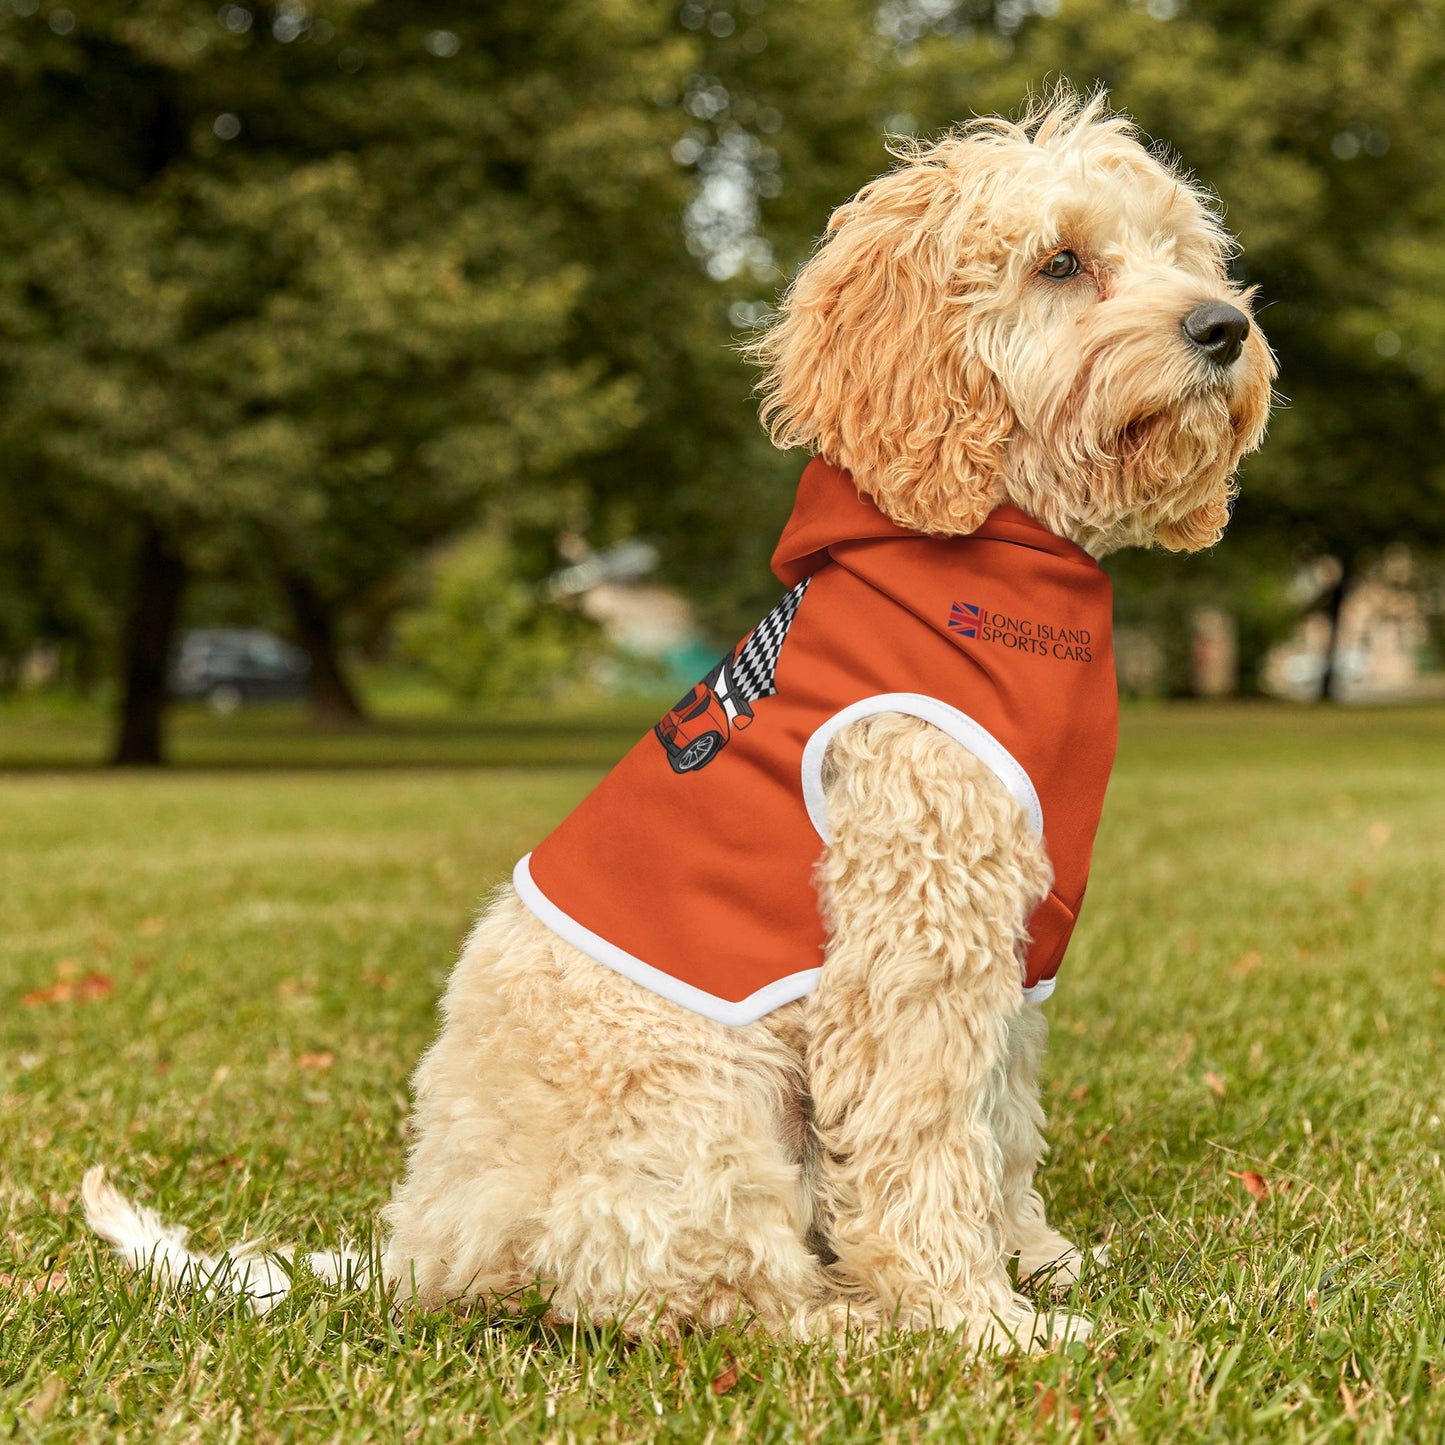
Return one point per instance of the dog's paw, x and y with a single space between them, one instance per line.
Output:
1023 1326
1060 1327
1058 1270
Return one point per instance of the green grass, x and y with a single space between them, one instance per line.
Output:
45 735
1256 985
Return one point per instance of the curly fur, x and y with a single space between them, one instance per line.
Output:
866 1156
648 1164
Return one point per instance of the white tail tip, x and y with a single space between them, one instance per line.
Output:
148 1244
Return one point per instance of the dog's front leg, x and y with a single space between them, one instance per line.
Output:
1042 1251
927 884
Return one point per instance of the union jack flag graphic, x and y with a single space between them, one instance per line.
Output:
963 618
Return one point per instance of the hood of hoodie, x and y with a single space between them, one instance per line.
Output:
830 513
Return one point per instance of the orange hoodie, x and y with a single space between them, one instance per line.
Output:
689 867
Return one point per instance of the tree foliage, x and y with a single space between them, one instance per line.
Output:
317 287
314 286
484 633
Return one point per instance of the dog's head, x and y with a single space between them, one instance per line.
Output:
1034 312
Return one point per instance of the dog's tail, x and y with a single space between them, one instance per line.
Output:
147 1243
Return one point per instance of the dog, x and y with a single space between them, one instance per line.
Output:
698 1064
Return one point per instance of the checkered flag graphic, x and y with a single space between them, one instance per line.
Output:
757 663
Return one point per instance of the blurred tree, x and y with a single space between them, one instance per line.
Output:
58 570
304 282
782 109
484 632
324 285
329 283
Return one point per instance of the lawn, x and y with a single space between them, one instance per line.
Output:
217 979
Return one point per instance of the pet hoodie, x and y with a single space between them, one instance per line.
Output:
690 867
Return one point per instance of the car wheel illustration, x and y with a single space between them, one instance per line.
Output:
699 751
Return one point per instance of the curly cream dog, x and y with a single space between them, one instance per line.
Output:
1034 315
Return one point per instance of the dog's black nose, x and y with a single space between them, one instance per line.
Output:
1218 330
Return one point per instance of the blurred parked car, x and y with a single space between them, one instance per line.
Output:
230 665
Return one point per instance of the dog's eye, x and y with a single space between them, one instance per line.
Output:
1060 266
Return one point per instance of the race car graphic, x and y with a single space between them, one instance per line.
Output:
698 728
694 731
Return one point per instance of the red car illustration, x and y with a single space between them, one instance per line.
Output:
697 729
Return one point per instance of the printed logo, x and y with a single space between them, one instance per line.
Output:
696 731
963 618
1020 634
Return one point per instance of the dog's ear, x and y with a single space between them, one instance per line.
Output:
873 360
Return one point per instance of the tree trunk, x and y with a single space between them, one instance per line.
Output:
333 699
1329 676
160 578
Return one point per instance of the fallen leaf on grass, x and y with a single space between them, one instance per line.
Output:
56 1282
724 1382
66 990
1440 980
322 1059
1046 1407
1214 1083
1181 1054
1347 1399
45 1399
1378 834
1248 963
1079 1094
377 978
1255 1184
151 927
